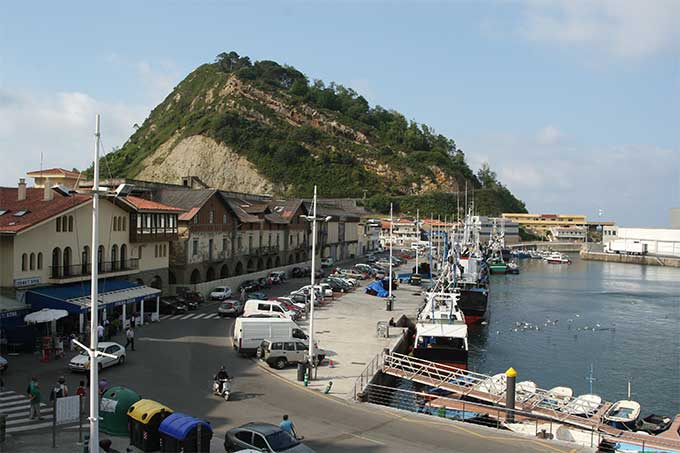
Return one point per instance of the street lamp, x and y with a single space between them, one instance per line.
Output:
312 219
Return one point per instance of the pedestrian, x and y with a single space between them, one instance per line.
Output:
103 386
133 318
100 332
34 397
287 425
60 389
130 335
81 391
243 295
107 329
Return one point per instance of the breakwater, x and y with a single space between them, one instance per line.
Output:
631 259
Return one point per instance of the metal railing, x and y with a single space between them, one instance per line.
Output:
81 270
366 376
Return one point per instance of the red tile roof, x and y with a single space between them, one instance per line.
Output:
189 214
38 209
143 204
54 171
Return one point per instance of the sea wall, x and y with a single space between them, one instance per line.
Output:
633 259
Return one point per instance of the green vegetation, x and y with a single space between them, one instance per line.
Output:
337 145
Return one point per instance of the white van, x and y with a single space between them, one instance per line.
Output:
270 308
249 333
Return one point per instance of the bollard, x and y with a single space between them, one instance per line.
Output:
511 378
328 387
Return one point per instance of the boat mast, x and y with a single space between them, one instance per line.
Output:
94 294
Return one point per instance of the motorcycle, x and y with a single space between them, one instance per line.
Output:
225 392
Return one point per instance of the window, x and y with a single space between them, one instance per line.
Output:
139 252
277 346
224 244
58 224
300 346
224 218
155 251
264 307
3 211
259 442
124 223
195 220
277 308
115 223
32 261
163 221
289 346
270 240
20 213
245 436
24 261
250 243
211 216
194 247
39 260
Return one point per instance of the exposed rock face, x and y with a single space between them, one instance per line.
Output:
216 164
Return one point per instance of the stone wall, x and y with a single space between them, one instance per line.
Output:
632 259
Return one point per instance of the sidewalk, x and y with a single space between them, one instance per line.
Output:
347 328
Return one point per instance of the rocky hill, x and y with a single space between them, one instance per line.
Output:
263 127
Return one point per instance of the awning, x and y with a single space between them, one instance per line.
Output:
75 298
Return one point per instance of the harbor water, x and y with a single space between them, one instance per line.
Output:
551 322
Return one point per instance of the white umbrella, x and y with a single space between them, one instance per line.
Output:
44 315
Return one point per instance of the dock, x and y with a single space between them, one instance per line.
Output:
649 260
478 388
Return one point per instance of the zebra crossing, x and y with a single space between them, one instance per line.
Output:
185 316
16 407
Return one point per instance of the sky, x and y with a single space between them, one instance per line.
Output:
574 103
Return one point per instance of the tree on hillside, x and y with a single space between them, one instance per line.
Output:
487 177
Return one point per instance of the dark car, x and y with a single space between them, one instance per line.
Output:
193 296
249 286
297 272
259 295
263 282
344 285
335 286
263 437
172 306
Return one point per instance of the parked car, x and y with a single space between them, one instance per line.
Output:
259 295
263 282
335 286
279 354
263 437
251 331
249 285
297 272
371 258
230 308
327 262
344 286
278 276
193 296
220 293
301 298
324 291
172 305
268 308
81 362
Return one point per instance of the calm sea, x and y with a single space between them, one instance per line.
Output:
552 322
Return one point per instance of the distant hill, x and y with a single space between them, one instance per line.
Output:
263 127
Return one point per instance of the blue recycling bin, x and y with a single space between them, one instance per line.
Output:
181 433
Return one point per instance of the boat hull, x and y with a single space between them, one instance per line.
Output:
446 357
473 302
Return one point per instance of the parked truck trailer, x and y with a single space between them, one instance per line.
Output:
626 247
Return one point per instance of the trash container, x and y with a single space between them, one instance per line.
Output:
144 417
113 409
301 368
180 433
388 304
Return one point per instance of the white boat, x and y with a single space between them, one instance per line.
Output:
623 414
441 308
494 385
525 390
442 343
557 258
556 431
583 405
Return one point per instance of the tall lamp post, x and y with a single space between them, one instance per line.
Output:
391 241
312 291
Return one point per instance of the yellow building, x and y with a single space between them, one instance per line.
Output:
543 223
54 176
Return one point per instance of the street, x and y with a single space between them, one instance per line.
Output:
174 363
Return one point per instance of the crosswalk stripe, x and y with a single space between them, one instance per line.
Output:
4 399
7 393
19 429
16 403
165 317
187 316
210 316
176 316
200 316
25 419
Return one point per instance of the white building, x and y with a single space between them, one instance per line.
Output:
570 233
660 241
485 226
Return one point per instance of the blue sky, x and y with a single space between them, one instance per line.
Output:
574 103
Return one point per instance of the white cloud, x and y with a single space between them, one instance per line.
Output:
549 135
620 28
635 184
61 126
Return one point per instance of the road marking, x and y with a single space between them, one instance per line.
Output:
200 316
165 317
365 438
176 316
29 427
187 316
210 316
28 420
17 408
9 398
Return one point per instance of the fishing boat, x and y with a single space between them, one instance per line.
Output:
512 268
623 415
442 343
497 265
557 258
473 287
655 424
583 405
441 308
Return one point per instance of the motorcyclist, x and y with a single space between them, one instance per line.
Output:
221 377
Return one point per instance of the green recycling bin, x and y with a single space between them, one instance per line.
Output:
113 410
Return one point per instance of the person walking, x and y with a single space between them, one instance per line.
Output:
34 397
100 332
130 335
81 390
60 390
243 295
287 425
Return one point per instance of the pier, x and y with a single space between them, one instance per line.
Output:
649 260
546 245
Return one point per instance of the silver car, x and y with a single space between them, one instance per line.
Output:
230 308
279 354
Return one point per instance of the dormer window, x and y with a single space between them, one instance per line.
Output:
20 213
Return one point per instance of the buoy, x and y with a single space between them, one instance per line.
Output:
328 387
306 377
330 363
